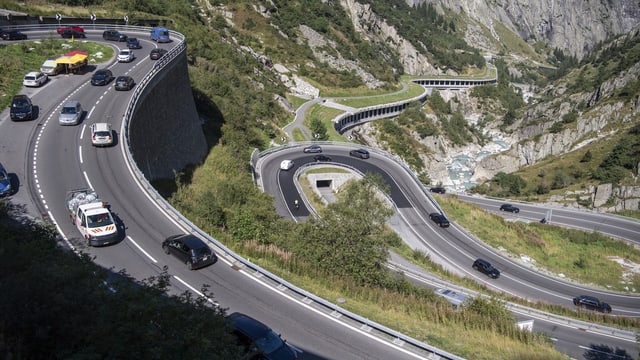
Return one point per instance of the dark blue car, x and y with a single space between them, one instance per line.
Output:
5 182
258 340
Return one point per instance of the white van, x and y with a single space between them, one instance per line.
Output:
286 164
51 68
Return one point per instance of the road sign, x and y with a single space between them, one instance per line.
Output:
126 19
58 17
92 17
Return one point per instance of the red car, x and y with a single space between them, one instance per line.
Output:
79 29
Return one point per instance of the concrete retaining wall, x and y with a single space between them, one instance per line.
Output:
165 132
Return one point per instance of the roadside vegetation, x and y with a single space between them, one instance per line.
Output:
235 98
360 101
583 257
22 57
58 305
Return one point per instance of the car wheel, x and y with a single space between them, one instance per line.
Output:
166 250
189 265
475 267
517 211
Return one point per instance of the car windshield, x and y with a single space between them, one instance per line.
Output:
69 110
269 343
29 78
20 104
99 220
102 133
100 75
3 176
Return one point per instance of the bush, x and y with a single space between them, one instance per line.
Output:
587 157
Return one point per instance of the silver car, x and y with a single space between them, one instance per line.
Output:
71 113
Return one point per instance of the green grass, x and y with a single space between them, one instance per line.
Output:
434 321
18 58
326 115
588 258
364 101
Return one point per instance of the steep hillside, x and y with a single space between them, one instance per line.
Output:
574 26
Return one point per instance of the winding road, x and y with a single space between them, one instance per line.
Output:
48 159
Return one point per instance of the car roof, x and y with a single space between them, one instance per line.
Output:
192 241
101 127
587 297
33 73
123 77
249 326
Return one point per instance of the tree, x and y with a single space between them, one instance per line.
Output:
61 306
348 240
317 127
587 157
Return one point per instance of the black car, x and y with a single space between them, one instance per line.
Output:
102 77
190 250
157 53
114 35
439 219
21 108
14 35
258 340
124 83
312 149
591 303
133 43
486 268
321 158
68 34
509 208
438 190
359 153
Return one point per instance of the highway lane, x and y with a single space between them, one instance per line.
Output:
65 159
458 248
452 244
577 339
615 226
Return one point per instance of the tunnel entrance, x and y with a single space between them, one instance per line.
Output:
323 183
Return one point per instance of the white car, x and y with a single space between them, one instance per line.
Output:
101 134
126 55
286 164
35 78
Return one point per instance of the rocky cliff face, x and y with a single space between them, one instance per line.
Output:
575 26
373 28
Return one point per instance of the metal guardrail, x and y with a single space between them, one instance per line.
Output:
308 298
517 308
520 309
